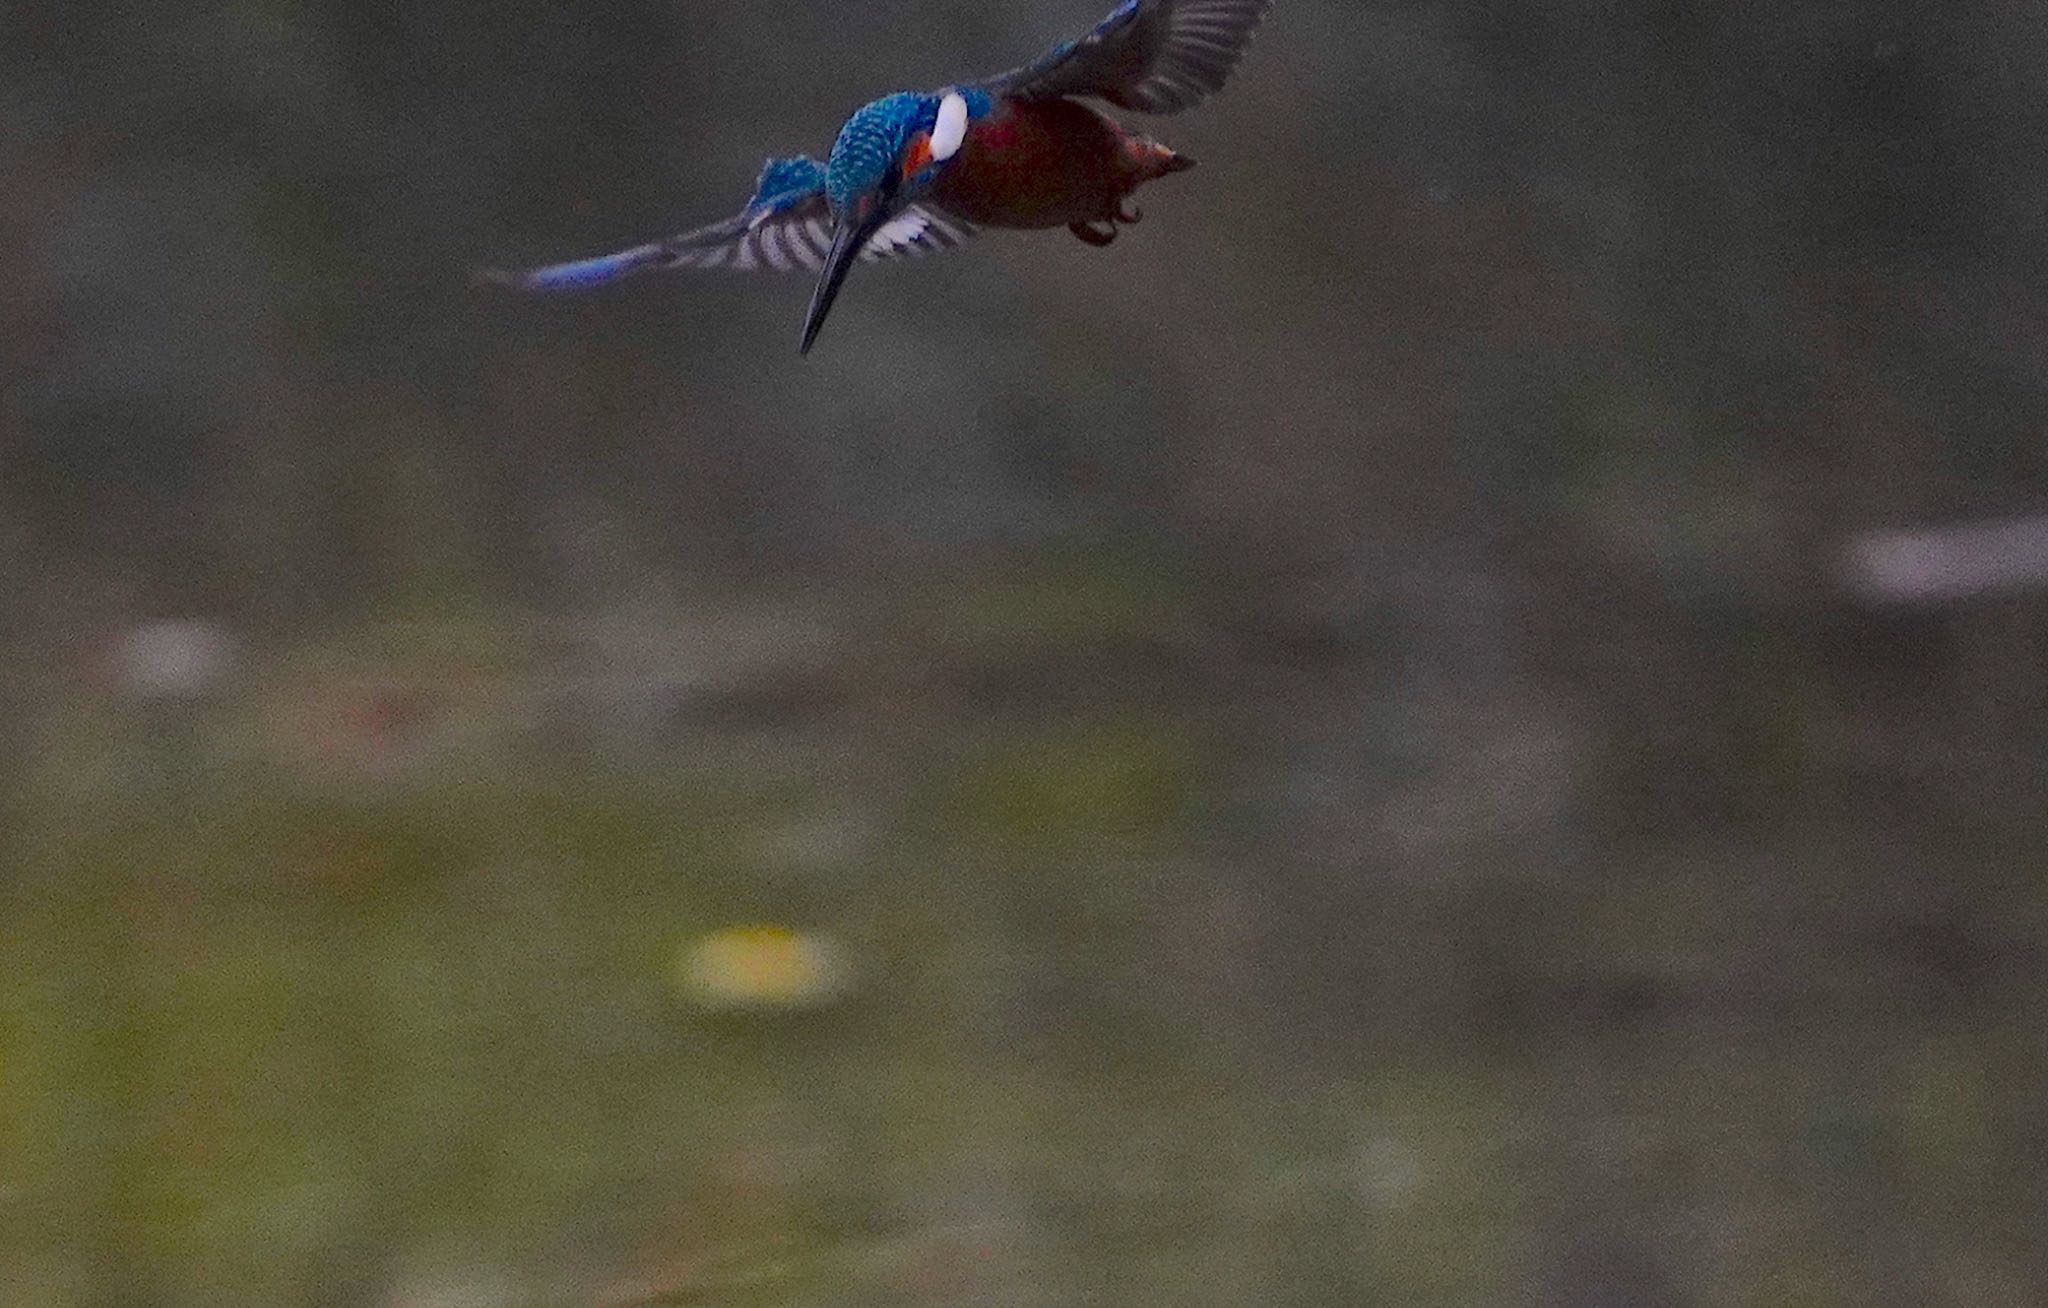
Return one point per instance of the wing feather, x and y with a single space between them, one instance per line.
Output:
1154 56
786 227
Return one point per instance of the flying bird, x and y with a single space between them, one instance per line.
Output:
913 173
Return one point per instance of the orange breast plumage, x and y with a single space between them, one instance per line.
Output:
1040 164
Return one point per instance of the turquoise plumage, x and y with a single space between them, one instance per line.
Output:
912 173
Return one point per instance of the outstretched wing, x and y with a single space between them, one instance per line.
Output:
785 227
1154 56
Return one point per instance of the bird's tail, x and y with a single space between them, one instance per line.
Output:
580 273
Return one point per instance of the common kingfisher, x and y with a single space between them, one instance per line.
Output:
915 173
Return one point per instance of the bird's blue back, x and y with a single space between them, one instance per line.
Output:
875 137
870 143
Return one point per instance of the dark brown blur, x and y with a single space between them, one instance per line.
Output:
1461 718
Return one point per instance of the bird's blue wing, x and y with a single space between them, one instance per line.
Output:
785 227
1154 56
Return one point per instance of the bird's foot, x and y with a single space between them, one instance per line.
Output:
1128 213
1097 234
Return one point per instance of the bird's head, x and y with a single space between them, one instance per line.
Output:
888 154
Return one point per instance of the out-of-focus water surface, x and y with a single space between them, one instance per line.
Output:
383 979
1461 718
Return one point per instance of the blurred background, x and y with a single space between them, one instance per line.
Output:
1460 719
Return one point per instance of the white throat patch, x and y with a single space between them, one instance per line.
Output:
951 128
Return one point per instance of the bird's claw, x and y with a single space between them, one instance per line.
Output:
1103 230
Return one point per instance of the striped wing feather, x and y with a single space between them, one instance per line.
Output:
783 233
798 237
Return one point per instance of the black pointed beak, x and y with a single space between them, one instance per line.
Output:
1178 163
848 239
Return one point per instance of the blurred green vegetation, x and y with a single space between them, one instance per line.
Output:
1333 740
270 1034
